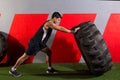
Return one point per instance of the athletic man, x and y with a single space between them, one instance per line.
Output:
38 43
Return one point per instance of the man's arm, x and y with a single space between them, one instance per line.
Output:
56 27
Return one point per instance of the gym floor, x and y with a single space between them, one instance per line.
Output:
67 71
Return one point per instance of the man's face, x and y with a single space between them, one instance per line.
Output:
57 20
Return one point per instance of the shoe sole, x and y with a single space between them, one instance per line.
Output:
14 75
51 72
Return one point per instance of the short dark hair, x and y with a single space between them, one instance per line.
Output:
57 15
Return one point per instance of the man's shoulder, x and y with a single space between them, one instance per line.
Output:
49 22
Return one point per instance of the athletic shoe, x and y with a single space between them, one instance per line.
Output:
14 73
52 70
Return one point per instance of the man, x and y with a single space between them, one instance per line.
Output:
38 43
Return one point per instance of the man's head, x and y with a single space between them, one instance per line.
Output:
56 16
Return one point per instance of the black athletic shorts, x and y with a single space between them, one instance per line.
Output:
34 47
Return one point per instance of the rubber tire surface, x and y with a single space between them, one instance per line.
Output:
93 48
3 46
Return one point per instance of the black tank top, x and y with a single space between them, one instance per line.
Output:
42 35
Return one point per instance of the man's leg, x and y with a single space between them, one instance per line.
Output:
19 61
48 60
48 56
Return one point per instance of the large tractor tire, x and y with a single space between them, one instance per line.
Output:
3 46
93 48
